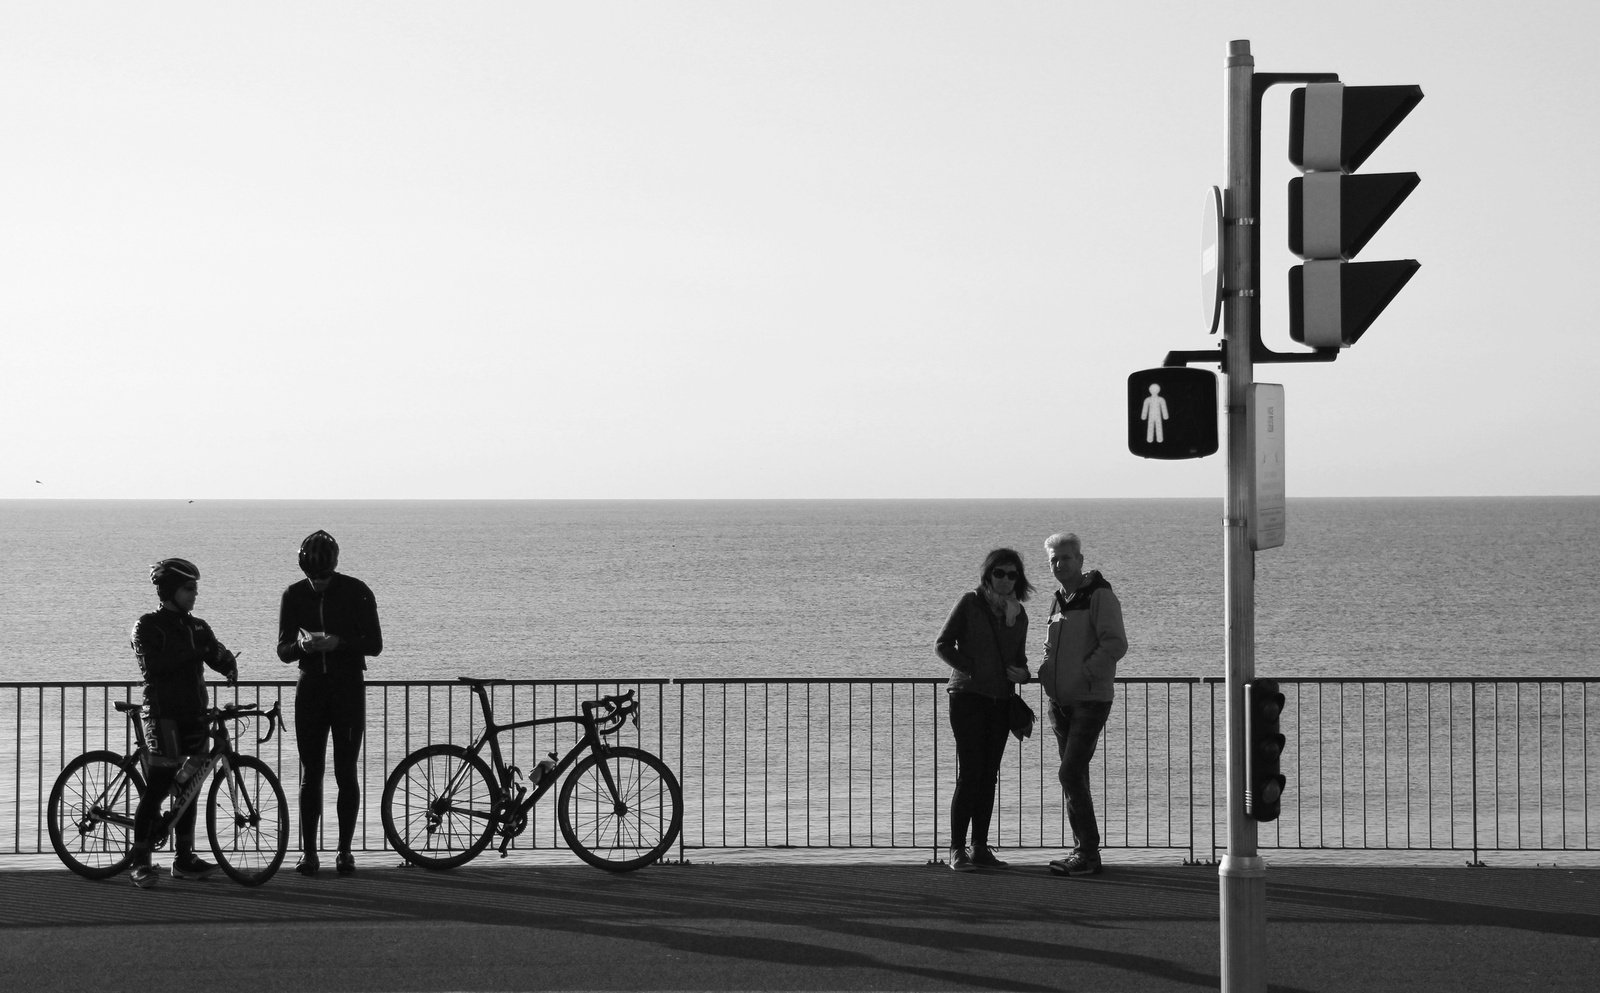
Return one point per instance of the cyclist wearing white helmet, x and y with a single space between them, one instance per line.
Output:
328 623
174 647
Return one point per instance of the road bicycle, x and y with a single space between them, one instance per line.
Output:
90 814
619 810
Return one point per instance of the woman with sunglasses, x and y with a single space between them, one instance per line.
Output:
984 643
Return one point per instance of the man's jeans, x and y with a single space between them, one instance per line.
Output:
1077 727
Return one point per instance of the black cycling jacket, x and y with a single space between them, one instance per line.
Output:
345 608
173 650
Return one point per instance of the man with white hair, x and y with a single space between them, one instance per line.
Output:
1079 675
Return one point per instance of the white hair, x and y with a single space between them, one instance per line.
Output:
1061 538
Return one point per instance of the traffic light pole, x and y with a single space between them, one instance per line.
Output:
1243 873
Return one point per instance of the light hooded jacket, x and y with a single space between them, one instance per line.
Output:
1084 643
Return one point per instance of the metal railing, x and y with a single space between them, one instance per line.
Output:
1469 765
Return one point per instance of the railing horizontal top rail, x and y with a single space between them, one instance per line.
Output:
901 680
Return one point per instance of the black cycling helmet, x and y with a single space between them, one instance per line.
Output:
319 555
169 574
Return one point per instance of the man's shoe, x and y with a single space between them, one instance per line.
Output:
146 875
345 863
308 864
1076 864
191 866
983 858
960 861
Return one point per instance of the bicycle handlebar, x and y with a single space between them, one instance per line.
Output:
618 709
239 711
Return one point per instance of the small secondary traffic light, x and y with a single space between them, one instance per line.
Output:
1172 413
1263 747
1333 128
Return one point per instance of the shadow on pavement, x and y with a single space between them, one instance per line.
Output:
1019 929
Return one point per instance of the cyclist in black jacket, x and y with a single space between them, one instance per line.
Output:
329 625
174 647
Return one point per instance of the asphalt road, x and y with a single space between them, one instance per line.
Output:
795 927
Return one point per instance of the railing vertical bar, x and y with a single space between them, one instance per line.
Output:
683 770
1516 723
744 765
16 831
766 762
1189 735
1495 755
1472 732
1213 774
787 770
872 804
1383 724
1538 749
1167 761
933 710
1343 814
1561 701
38 780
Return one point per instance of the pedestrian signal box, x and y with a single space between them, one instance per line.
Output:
1172 413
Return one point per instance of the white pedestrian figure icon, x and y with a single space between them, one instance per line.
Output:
1154 412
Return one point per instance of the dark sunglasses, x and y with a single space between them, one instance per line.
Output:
999 573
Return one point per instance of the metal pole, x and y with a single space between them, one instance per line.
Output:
1243 889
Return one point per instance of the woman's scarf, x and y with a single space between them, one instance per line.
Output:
1009 604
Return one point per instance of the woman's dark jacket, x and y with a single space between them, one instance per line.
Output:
978 645
345 608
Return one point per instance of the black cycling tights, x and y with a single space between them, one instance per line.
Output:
329 704
169 740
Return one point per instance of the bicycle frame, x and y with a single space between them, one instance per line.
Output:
592 740
218 755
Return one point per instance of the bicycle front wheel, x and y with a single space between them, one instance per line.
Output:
248 818
439 807
90 813
628 829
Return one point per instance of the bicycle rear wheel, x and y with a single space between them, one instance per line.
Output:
631 829
248 819
439 807
90 813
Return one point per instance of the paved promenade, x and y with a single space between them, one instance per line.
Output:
795 927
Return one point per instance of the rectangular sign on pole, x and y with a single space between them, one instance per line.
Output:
1267 517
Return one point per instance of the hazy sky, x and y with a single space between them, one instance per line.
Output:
799 249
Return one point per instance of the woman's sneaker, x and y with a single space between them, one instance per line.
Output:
308 864
146 875
1076 864
983 858
191 866
345 863
960 861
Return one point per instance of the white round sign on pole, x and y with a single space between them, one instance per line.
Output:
1211 260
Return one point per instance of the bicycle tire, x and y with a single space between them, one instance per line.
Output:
436 830
90 813
637 834
248 822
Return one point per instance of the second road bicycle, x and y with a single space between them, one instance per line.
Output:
620 809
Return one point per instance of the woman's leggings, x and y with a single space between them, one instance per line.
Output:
980 724
329 704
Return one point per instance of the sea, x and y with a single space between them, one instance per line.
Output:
617 590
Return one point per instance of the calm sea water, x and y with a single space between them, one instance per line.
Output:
618 589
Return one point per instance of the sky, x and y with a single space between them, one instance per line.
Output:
755 250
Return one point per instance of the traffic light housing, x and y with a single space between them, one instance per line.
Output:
1263 749
1333 128
1172 413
